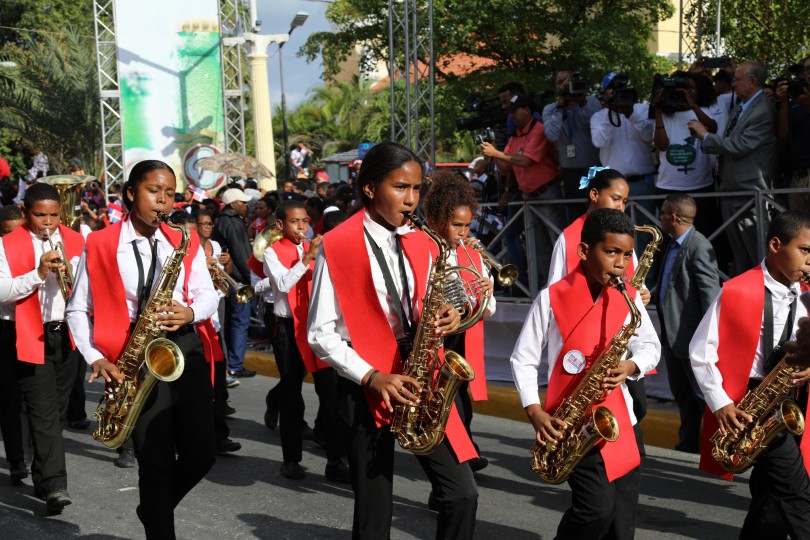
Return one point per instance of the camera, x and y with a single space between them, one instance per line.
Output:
488 135
715 62
623 92
796 88
481 111
672 98
577 84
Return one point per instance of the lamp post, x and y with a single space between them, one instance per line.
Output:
299 20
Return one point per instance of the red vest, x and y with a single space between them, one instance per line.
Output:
588 327
256 265
573 237
28 311
110 313
298 298
370 333
474 337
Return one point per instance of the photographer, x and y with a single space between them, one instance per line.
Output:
568 124
684 167
793 128
531 158
94 194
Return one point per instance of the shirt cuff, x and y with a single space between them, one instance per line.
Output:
717 399
530 396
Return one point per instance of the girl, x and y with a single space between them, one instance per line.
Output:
365 303
174 437
450 205
262 211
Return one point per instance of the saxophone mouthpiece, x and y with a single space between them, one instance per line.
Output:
416 223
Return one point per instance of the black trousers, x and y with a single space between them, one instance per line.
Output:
780 494
221 428
174 439
638 391
78 398
10 398
371 461
684 387
46 389
601 509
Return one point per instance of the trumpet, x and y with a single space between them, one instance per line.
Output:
224 282
64 276
505 274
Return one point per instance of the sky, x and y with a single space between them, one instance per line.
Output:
299 76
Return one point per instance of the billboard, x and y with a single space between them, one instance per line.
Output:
169 73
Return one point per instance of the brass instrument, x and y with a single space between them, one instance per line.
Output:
224 282
70 188
147 358
420 427
266 238
64 276
506 274
645 261
585 421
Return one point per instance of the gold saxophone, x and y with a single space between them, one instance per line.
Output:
772 411
420 427
646 259
147 358
586 422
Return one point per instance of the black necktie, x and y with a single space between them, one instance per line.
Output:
772 355
145 288
733 122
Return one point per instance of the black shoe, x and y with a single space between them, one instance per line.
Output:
476 464
688 449
18 471
125 459
306 432
56 500
271 417
225 410
225 446
338 471
433 502
79 424
292 470
242 373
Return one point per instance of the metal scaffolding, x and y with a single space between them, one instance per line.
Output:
232 24
411 72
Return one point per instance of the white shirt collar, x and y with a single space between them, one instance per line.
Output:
128 234
382 236
779 291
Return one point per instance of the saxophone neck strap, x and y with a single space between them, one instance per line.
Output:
144 288
389 282
770 354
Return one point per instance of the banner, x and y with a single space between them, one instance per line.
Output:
169 72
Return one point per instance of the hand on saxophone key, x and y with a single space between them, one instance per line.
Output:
106 370
447 320
171 318
729 418
545 425
617 376
800 377
51 261
392 387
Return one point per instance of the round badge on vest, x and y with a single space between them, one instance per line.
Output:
574 362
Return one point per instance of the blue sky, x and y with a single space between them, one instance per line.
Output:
299 76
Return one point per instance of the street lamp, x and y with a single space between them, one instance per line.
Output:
299 20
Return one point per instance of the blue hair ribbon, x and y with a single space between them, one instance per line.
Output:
585 181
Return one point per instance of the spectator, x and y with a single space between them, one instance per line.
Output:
322 190
231 233
287 186
687 285
746 151
793 125
252 189
505 95
300 158
568 125
258 224
531 158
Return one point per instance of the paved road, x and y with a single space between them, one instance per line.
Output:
245 496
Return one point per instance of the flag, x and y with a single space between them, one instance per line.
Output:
200 194
114 213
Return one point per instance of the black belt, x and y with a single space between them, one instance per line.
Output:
182 331
636 177
55 326
283 318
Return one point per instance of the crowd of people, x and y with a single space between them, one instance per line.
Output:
344 279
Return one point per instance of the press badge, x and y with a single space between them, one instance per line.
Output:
574 362
571 151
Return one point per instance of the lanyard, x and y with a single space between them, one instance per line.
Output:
144 289
389 282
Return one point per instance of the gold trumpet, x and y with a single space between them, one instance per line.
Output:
505 274
224 282
64 276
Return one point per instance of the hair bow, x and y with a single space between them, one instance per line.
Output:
585 181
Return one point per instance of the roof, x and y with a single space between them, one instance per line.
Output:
341 157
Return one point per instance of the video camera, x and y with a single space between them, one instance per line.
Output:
488 135
798 84
577 85
717 62
672 99
623 94
486 112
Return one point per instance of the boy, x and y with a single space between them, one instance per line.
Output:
582 312
288 264
733 349
11 217
45 373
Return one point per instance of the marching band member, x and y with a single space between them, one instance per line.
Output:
363 328
38 342
575 318
174 436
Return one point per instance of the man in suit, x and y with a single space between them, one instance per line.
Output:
687 284
746 151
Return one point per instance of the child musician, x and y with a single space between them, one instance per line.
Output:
288 264
575 318
450 204
735 346
174 436
45 373
366 299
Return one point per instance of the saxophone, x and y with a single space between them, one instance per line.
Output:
420 427
585 421
646 259
147 358
772 411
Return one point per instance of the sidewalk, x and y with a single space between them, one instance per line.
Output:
660 425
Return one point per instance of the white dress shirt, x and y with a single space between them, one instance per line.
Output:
704 344
327 332
625 148
559 261
282 279
200 288
540 329
262 287
14 289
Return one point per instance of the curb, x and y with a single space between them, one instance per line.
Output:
660 426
